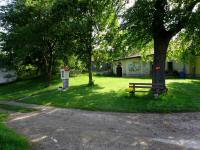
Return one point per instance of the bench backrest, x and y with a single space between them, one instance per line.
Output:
144 85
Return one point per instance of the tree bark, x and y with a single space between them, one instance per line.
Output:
48 67
47 74
161 43
90 49
91 83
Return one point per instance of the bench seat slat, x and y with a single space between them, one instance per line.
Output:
145 84
141 83
147 87
142 91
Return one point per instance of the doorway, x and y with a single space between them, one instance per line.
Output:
119 70
170 67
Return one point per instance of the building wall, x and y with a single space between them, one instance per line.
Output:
133 67
136 67
123 65
178 66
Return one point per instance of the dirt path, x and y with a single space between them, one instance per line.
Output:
68 129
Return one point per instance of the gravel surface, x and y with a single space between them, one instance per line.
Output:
68 129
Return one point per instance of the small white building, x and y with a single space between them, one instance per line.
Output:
135 66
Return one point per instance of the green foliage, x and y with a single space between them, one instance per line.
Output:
41 33
35 36
178 49
76 64
138 21
141 22
97 21
186 44
158 21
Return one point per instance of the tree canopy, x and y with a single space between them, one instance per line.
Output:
159 20
41 32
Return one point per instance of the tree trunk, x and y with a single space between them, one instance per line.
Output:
89 50
161 43
48 70
91 83
47 75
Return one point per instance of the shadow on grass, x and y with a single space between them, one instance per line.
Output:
16 108
18 90
181 97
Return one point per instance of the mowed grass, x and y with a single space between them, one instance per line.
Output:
108 94
16 90
10 140
16 108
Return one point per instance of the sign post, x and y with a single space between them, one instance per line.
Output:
65 77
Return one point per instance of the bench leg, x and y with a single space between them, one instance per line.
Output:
132 93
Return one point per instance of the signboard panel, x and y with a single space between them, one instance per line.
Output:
64 74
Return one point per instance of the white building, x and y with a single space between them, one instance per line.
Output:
135 66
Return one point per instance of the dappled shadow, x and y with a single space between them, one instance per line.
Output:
191 88
91 98
104 96
83 89
26 88
191 85
181 97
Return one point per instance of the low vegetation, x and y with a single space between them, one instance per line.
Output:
16 108
9 140
108 94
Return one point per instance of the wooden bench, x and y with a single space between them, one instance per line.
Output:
136 87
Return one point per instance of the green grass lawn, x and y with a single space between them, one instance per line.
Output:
9 140
25 88
16 108
108 94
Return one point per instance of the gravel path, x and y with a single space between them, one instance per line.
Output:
68 129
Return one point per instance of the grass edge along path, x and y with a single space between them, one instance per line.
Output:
9 139
16 108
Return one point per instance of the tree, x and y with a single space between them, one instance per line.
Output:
159 20
96 19
185 46
34 35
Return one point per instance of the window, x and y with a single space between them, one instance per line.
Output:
62 74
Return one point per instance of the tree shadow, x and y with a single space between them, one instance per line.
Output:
181 97
26 88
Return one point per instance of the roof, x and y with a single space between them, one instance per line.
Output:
131 56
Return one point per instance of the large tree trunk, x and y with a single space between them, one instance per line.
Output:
161 43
